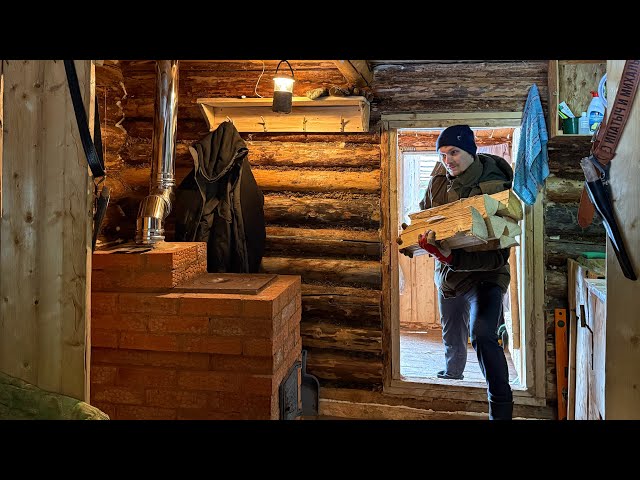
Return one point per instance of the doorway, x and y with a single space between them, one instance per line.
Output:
421 347
527 361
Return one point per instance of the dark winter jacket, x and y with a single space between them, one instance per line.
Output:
487 174
219 202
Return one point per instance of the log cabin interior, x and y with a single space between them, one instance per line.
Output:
141 330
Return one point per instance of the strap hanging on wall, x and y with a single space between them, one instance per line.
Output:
92 151
596 195
94 155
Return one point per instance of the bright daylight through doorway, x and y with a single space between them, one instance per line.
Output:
421 348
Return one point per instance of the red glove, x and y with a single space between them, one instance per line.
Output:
436 249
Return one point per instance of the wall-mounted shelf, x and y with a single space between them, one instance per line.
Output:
571 81
326 114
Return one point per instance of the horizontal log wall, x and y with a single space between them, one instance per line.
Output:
564 238
322 205
110 94
322 197
456 87
503 86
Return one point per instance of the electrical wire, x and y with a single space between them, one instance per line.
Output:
255 90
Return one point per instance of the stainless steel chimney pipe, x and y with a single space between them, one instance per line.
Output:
157 205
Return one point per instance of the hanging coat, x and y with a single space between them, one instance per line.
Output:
219 202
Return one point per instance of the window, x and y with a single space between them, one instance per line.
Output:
417 168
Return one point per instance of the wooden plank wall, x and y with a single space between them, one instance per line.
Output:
45 230
322 191
623 295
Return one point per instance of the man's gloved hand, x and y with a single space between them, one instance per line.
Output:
440 250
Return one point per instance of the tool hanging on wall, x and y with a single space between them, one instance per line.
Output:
596 194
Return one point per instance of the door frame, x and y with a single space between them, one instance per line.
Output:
532 330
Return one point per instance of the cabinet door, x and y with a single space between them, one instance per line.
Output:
571 81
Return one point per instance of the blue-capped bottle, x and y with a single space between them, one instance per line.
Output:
595 112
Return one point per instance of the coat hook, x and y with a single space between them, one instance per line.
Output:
263 123
343 122
304 124
229 120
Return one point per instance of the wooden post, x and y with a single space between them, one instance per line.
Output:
572 268
45 230
355 72
514 299
390 346
1 129
560 317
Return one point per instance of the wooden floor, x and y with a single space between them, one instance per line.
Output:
422 356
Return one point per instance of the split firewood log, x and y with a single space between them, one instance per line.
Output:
468 222
504 241
460 227
485 204
510 206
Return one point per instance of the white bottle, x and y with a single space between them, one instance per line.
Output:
583 124
595 112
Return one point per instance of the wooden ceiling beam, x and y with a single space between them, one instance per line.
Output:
356 72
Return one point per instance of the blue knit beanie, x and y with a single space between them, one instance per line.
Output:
460 136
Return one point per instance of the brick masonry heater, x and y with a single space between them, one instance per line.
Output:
170 341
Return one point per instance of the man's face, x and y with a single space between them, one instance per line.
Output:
455 159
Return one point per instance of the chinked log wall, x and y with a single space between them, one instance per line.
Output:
110 93
322 191
322 205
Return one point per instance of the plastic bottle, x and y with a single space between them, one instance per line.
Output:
595 112
583 124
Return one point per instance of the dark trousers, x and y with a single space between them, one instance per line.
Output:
476 313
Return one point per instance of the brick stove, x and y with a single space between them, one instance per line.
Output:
170 341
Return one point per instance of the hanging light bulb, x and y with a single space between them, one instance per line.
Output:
282 91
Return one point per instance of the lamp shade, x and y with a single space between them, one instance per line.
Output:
282 91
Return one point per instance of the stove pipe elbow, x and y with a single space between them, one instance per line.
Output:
157 205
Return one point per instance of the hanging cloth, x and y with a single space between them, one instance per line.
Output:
532 161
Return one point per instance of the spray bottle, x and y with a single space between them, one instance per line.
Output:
595 112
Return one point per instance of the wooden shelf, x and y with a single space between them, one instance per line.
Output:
326 114
572 81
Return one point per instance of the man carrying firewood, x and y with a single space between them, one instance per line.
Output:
471 284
